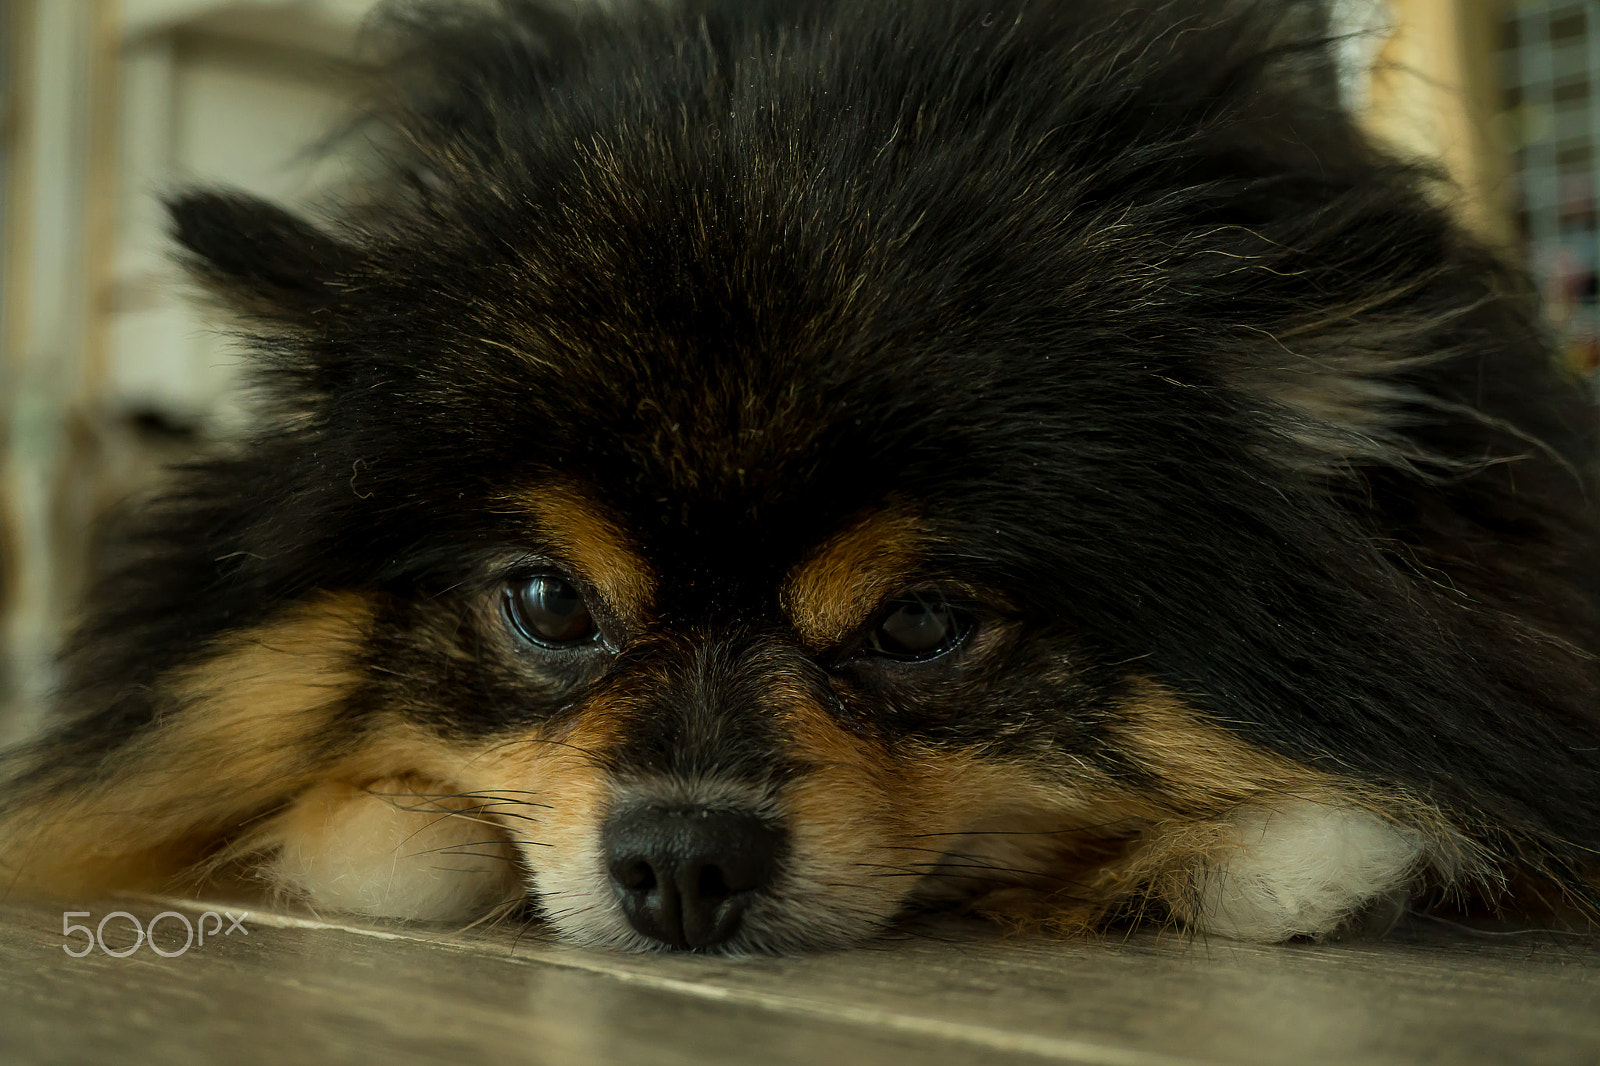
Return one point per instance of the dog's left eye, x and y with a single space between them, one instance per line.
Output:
549 611
918 627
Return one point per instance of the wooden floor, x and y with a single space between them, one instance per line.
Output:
293 990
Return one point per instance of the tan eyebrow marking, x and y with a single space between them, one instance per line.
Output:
838 586
587 536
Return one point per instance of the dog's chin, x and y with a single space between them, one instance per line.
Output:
824 910
775 927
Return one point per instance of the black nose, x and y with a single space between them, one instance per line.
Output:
685 876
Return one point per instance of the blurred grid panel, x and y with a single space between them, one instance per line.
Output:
1550 74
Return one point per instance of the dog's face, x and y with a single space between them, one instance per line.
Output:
738 476
753 623
762 575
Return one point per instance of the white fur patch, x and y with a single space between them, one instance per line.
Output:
392 852
1299 868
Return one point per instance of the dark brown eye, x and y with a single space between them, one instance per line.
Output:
549 611
919 627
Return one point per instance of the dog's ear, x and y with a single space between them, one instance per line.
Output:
259 258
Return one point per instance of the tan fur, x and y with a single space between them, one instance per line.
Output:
1202 767
1206 771
552 793
559 768
1210 783
240 737
876 827
837 588
1105 849
594 543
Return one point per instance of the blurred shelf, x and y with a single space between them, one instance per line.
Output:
322 26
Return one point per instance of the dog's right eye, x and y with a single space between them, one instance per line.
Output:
549 611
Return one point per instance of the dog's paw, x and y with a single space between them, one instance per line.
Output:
397 848
1298 868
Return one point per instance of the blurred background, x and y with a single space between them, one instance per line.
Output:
107 372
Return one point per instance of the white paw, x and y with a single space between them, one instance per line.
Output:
395 849
1299 868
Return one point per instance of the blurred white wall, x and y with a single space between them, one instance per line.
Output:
218 99
105 367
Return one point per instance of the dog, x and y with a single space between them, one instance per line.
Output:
735 474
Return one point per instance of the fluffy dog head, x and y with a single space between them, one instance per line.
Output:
762 466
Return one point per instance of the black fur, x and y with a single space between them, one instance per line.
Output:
1186 377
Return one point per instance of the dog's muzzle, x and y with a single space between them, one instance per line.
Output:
686 875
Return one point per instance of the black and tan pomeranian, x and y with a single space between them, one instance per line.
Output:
744 471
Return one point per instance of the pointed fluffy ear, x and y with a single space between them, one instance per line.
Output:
260 258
